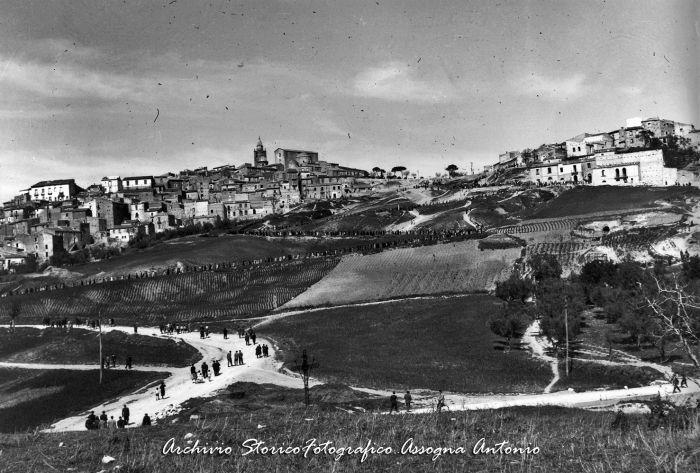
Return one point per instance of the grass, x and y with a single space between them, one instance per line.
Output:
199 251
568 440
183 297
586 375
440 343
585 200
56 394
79 346
453 267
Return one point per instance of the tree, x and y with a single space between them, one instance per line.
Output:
556 297
376 170
678 315
398 169
514 289
452 169
527 155
545 266
646 136
510 322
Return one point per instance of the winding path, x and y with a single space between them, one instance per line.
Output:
180 386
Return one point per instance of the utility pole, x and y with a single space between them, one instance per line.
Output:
566 329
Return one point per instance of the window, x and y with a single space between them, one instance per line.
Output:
602 173
574 168
549 170
589 165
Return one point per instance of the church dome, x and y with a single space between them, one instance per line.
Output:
292 164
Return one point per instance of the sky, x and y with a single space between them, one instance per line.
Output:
90 88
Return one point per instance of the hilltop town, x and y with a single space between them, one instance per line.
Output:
54 218
57 217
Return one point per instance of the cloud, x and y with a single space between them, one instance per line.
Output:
551 88
397 82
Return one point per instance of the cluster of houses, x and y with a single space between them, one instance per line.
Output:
60 216
618 157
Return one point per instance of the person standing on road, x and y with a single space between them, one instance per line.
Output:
440 401
125 414
103 420
114 361
247 339
252 335
240 357
228 358
205 369
128 362
684 381
258 351
193 372
162 389
225 334
407 398
394 402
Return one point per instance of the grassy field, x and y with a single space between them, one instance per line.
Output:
199 251
584 200
182 297
30 398
438 269
567 440
440 343
586 375
78 346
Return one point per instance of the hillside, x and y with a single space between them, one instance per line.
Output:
449 268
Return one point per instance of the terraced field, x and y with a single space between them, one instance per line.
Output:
449 268
188 296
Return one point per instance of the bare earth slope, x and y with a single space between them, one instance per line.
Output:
451 268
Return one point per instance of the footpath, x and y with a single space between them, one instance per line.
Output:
180 387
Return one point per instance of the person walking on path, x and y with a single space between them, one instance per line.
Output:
253 336
247 339
394 402
240 357
128 362
157 394
258 351
205 369
676 388
225 334
136 328
440 401
146 420
162 389
114 361
407 398
201 332
125 414
228 358
193 372
684 381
